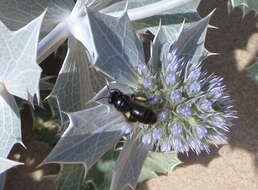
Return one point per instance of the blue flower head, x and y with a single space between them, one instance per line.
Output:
193 110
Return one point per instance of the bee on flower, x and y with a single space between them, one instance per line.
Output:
194 108
168 104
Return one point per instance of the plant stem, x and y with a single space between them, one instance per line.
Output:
52 41
152 9
60 33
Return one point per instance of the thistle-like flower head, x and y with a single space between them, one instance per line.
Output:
194 108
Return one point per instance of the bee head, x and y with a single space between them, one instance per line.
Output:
115 94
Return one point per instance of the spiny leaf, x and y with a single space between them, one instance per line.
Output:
16 14
19 76
100 174
120 5
10 124
6 164
171 20
20 72
155 58
79 25
98 4
190 42
129 164
90 134
77 82
246 5
117 47
70 177
157 163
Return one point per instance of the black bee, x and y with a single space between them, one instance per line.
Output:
129 107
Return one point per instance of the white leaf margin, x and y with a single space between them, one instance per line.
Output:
6 164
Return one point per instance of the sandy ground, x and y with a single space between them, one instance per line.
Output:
232 166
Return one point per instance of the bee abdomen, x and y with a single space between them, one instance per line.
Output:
144 115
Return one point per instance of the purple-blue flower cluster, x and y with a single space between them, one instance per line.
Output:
194 108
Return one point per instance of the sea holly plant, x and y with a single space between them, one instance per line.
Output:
18 51
78 81
193 108
171 18
66 19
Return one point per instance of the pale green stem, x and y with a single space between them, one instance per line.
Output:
60 33
152 9
2 88
52 41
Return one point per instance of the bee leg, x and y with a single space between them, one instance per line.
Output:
129 117
139 98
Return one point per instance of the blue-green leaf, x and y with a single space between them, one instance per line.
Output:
6 164
70 177
10 124
77 82
20 72
100 174
117 47
129 164
16 14
120 5
91 133
190 42
19 76
156 48
171 20
98 4
158 163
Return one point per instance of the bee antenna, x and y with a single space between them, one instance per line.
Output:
107 83
101 98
